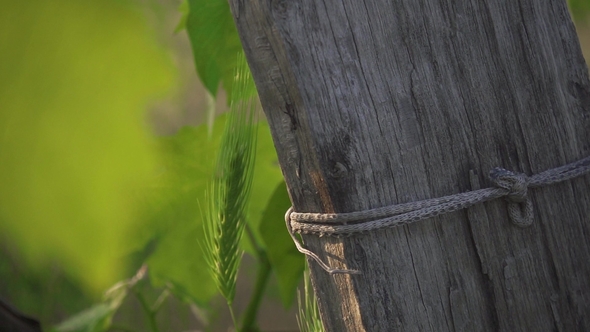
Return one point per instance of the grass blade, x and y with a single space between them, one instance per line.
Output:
308 318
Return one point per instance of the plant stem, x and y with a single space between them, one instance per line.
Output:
151 315
262 276
158 304
233 317
252 239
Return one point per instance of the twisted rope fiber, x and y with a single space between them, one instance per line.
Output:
513 186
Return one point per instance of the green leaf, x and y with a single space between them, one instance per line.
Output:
177 209
98 317
174 212
184 9
178 205
215 43
579 9
287 262
267 176
74 149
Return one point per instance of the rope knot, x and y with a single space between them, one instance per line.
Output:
520 208
516 183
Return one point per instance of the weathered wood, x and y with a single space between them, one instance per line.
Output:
376 102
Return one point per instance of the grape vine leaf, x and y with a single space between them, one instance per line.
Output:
267 175
215 43
286 261
176 212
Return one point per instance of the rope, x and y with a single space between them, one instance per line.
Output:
511 185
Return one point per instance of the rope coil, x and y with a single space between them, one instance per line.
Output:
511 185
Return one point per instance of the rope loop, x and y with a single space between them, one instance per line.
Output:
310 253
520 207
521 214
512 186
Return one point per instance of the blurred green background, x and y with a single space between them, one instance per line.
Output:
98 173
94 100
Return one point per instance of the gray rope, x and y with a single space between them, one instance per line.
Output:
310 253
513 186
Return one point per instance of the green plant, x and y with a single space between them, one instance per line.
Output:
87 192
309 314
230 190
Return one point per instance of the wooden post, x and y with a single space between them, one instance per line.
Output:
378 102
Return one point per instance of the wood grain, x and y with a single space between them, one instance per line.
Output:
378 102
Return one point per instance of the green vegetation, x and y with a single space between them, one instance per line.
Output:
308 318
98 214
229 194
89 196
